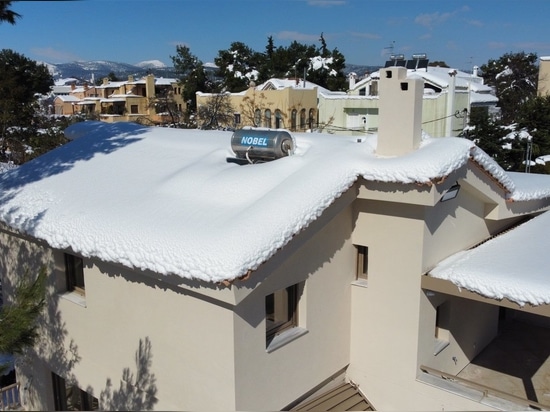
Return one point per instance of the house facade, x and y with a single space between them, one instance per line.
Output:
261 284
149 100
449 97
276 104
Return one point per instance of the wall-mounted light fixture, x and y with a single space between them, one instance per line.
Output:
451 193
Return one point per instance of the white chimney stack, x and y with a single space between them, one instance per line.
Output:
352 77
400 112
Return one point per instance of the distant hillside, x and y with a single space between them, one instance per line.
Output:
86 70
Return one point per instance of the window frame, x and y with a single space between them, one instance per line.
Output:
362 269
74 274
291 311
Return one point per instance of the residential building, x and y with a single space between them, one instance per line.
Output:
148 100
181 279
449 97
277 104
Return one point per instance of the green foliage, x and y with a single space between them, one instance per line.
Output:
514 77
239 65
19 317
6 14
24 133
192 76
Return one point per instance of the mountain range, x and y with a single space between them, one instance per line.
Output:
98 69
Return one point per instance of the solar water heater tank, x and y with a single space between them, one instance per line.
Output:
262 145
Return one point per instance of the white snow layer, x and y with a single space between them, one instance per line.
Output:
167 200
512 266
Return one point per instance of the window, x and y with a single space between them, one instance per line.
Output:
267 120
293 120
69 397
362 262
74 271
302 119
311 118
278 119
363 91
134 109
281 310
373 88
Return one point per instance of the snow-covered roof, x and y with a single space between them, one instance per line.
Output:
513 265
68 98
439 76
167 200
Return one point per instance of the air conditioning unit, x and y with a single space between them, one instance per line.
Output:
258 145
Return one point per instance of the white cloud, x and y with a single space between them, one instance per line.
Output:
294 35
53 55
432 19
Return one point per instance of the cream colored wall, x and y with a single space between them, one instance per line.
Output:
392 324
544 76
204 353
473 325
270 381
284 100
191 338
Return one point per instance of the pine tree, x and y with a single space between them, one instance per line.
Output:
514 77
6 14
19 316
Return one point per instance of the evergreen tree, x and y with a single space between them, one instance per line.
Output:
534 118
6 14
19 316
192 76
21 79
238 66
514 77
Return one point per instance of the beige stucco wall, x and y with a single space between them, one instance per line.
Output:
326 263
544 76
392 323
408 231
205 352
286 100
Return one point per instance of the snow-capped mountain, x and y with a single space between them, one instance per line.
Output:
151 64
98 69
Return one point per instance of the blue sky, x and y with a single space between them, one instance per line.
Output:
461 33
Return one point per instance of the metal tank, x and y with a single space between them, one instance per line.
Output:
262 145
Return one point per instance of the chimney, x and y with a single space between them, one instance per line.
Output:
150 85
400 112
450 103
352 77
130 78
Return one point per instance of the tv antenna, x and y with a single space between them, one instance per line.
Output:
390 47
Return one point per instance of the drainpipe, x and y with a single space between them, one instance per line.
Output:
450 103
